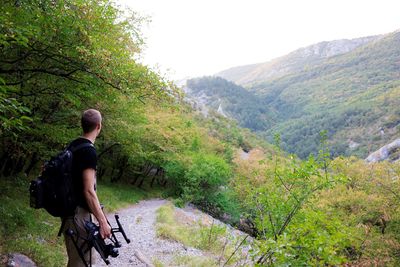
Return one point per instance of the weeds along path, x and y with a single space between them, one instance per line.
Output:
145 248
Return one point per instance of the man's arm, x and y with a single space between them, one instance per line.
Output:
93 202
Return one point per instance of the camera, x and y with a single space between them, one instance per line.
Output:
95 240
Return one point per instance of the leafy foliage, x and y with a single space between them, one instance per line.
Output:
56 60
368 200
319 211
289 228
200 178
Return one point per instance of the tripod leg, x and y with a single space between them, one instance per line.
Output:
78 244
113 238
121 229
71 234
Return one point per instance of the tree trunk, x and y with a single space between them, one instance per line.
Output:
19 166
141 182
32 164
135 179
100 173
3 161
152 181
9 166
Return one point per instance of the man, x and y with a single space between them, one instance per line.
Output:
84 165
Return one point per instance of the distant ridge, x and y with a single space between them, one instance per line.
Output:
353 96
298 60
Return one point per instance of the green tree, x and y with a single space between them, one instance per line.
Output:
59 58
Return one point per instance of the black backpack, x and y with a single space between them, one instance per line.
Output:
53 190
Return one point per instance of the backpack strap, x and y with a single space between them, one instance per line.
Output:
72 149
61 227
76 148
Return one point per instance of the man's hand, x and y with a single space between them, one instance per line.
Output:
105 230
93 202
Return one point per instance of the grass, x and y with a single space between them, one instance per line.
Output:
157 263
34 232
195 261
116 196
26 230
214 239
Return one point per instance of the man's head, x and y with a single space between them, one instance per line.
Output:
91 121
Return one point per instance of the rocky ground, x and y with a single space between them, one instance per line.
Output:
146 248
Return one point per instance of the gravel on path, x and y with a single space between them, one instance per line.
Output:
139 224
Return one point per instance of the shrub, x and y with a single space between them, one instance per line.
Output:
201 178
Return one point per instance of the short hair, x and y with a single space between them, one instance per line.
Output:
90 119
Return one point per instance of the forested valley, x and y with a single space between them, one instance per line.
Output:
58 58
349 88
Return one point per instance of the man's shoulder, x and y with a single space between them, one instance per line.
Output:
79 141
83 149
84 157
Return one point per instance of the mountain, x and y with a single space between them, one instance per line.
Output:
298 60
229 100
354 96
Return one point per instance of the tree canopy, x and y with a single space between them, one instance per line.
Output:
59 58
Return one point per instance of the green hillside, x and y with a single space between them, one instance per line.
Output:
298 60
354 96
234 100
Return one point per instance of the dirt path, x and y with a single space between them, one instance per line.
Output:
139 223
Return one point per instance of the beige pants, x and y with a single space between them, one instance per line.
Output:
77 224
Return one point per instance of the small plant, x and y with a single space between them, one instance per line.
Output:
157 263
214 238
195 261
139 219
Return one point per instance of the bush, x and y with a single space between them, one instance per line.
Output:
201 178
223 205
205 176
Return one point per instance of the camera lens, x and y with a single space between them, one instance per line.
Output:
112 251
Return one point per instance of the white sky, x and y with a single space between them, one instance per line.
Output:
190 38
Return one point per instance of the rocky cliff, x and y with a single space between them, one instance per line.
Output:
389 152
298 60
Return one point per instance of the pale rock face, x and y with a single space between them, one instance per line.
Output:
333 48
220 110
198 102
294 61
201 101
388 152
353 145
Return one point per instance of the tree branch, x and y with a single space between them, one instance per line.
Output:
107 149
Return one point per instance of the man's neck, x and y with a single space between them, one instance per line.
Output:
90 136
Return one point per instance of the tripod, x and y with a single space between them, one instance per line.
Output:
93 239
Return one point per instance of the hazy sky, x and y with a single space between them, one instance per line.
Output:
201 37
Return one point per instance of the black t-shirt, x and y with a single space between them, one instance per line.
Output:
82 159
